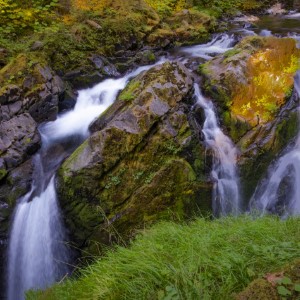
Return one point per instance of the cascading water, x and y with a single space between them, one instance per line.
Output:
280 192
219 44
37 254
226 194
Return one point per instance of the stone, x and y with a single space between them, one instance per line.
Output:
139 162
37 45
19 138
258 112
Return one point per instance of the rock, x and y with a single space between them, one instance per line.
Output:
68 101
19 139
296 4
38 93
93 24
104 66
256 108
247 18
267 287
143 159
9 94
247 79
276 9
37 45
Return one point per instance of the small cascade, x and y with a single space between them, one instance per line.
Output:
38 255
219 44
265 32
279 193
226 194
89 105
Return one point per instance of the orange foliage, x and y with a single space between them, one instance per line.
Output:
270 79
91 5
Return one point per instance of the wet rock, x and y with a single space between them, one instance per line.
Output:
68 101
9 94
104 66
246 18
19 139
144 158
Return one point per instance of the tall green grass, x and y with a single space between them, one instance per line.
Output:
203 260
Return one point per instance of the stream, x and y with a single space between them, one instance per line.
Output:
38 252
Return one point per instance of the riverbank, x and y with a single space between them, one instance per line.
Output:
201 260
74 45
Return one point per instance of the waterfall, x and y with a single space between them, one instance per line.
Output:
37 252
226 194
279 193
219 44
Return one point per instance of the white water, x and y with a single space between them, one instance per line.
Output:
292 16
37 252
226 194
219 44
89 105
280 192
265 32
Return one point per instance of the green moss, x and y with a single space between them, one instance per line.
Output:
3 173
129 93
286 130
228 55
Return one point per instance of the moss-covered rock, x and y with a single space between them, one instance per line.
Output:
143 162
253 87
254 79
284 284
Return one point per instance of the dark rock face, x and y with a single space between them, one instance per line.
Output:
23 105
144 161
19 139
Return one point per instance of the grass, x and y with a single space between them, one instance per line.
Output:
201 260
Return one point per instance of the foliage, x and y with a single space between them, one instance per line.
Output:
17 17
270 71
166 7
286 287
217 8
203 260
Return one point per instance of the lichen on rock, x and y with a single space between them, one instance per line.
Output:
253 87
141 162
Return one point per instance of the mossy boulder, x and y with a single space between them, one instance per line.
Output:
143 162
254 79
283 284
252 85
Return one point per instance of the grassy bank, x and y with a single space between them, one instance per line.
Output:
203 260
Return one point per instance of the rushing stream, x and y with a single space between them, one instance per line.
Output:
219 44
226 194
38 254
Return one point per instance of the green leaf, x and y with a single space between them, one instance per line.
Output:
282 291
286 281
297 287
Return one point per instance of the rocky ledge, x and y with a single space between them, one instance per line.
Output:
144 161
